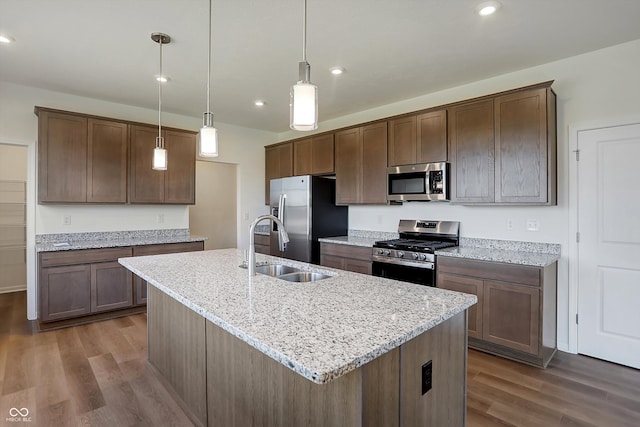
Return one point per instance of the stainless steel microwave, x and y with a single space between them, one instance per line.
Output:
422 182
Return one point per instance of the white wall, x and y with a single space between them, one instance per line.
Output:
18 126
599 87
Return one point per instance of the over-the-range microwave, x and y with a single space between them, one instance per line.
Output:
421 182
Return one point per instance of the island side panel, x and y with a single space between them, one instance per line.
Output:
247 388
176 346
445 404
381 391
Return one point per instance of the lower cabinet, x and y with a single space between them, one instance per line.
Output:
346 257
515 316
79 283
262 243
82 282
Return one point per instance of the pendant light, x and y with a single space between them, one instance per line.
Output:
304 95
208 137
160 153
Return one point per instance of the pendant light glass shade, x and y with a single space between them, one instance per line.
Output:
208 136
160 157
303 105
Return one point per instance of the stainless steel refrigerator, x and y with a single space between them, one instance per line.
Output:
306 206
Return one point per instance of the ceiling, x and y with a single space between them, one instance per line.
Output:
391 50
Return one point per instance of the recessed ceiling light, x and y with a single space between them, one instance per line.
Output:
336 71
6 39
260 103
163 79
487 8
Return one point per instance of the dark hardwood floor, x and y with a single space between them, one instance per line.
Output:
96 375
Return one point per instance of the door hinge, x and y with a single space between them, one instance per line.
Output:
577 155
576 318
577 237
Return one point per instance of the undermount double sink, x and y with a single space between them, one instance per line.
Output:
290 274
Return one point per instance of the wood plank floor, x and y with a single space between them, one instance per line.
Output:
96 375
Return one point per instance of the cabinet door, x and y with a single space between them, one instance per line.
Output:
521 147
432 137
302 157
511 316
467 285
374 163
145 184
180 176
139 290
332 261
62 158
472 151
111 287
358 266
402 141
107 152
322 158
65 292
348 166
278 164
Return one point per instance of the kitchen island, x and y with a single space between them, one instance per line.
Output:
347 350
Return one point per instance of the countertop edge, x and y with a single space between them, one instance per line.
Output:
103 244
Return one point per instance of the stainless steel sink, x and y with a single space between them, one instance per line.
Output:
275 270
303 276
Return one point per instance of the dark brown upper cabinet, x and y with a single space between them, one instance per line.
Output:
176 185
81 159
503 149
314 156
278 163
361 165
421 138
88 159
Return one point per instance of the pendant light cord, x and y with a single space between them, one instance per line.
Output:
160 92
209 64
304 33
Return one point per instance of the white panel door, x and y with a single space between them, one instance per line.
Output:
609 247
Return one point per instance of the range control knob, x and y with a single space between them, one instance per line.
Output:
400 254
380 252
423 257
414 255
387 252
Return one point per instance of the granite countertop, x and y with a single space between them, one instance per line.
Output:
507 251
321 330
99 240
500 255
350 240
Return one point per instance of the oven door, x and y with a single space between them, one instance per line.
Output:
405 273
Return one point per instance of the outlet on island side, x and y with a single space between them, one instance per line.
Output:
427 371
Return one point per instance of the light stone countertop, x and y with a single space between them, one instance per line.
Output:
350 240
500 255
321 330
100 240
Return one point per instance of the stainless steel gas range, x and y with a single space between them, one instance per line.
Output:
411 257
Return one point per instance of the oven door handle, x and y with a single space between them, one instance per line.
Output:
396 261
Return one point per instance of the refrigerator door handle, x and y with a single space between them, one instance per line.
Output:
281 208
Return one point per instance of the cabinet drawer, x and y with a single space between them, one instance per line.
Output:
168 248
262 239
346 251
83 256
521 274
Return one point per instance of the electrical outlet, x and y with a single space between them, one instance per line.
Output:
246 216
532 225
66 220
427 372
160 218
509 224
